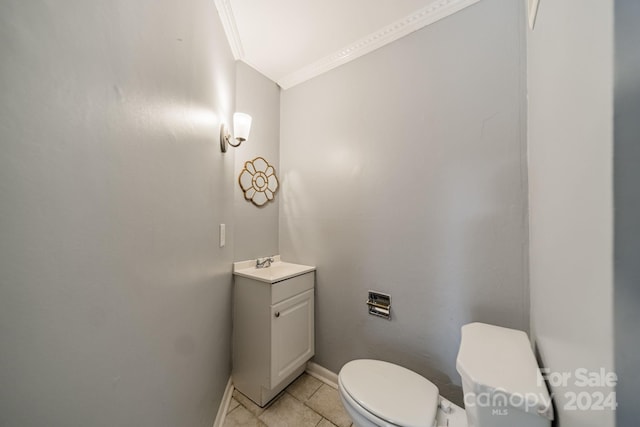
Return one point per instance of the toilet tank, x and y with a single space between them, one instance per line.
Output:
501 381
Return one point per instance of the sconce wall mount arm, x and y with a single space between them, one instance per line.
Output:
241 128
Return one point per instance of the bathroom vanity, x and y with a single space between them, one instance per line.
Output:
273 326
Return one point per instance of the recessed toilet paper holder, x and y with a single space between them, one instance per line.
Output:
379 304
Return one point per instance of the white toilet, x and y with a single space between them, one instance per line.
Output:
500 379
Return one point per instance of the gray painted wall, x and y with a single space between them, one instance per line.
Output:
627 210
112 186
405 172
570 138
256 228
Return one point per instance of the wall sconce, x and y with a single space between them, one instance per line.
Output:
241 128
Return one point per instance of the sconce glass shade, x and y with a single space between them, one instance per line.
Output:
241 126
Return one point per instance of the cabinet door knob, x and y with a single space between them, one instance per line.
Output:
277 314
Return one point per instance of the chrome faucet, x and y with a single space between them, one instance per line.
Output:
264 262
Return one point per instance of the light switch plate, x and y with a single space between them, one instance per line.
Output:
223 235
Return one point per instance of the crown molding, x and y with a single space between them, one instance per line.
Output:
433 12
230 28
533 11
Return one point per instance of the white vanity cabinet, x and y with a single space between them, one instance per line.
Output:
273 332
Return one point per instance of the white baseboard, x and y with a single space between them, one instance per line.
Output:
224 404
323 374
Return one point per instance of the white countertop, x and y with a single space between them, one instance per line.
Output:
278 271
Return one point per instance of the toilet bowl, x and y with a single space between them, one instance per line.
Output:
500 379
376 393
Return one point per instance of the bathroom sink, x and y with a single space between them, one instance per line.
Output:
277 272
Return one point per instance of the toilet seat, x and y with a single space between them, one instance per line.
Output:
389 392
353 406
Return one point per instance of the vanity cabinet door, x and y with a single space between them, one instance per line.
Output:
292 341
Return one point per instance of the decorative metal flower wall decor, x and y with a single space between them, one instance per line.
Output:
258 181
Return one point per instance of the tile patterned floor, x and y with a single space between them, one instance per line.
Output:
306 402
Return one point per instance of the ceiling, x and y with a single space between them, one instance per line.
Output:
291 41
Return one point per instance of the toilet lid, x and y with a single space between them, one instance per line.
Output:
391 392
